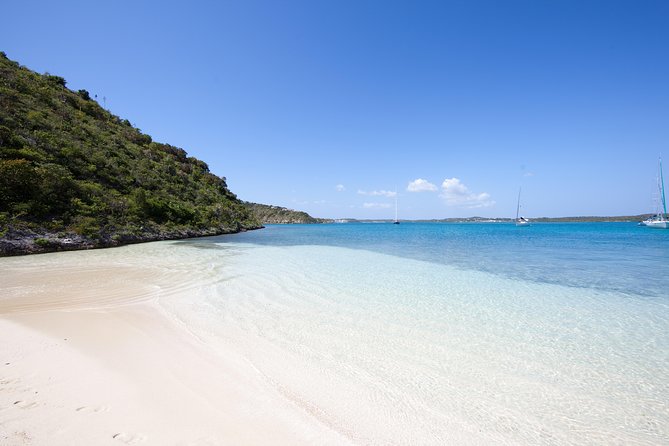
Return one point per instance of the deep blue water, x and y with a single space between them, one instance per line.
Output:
619 257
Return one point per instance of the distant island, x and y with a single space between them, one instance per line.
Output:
622 218
268 214
75 176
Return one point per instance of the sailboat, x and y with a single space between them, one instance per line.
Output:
396 221
659 220
520 221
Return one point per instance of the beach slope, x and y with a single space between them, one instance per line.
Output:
90 357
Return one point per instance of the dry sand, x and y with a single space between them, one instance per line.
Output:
88 357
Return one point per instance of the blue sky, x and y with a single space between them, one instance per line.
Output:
333 106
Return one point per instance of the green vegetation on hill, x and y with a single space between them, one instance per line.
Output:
69 166
267 214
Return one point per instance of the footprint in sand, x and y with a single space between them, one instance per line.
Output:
91 409
18 437
25 404
129 438
9 384
15 386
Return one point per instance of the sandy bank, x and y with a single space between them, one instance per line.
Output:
88 356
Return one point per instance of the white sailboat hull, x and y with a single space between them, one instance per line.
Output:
658 224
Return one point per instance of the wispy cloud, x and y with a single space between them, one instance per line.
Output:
528 174
457 194
376 205
378 193
421 185
340 188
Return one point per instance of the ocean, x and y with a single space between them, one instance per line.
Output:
437 333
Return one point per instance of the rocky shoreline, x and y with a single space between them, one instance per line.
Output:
24 242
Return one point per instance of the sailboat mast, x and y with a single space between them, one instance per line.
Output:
396 206
664 202
518 207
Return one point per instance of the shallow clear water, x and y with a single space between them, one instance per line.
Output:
450 333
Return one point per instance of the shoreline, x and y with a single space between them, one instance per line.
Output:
80 366
27 242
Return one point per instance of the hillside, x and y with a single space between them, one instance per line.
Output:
267 214
73 175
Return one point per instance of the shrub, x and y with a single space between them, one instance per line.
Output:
18 183
56 81
41 242
84 95
86 226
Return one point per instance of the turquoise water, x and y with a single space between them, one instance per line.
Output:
611 256
446 333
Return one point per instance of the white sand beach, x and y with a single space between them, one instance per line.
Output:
90 358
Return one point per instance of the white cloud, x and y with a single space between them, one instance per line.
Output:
457 194
421 185
528 174
376 205
378 193
340 188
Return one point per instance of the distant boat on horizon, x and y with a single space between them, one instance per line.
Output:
520 221
659 220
